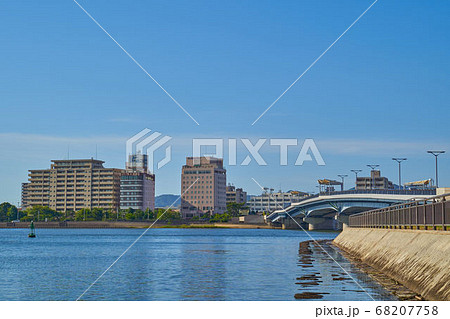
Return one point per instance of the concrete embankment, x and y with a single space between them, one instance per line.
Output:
418 259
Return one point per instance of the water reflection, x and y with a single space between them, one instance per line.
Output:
325 274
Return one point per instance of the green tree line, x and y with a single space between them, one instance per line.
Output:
9 212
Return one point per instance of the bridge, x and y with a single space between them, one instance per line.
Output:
328 211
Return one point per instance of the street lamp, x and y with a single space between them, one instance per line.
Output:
436 154
342 176
356 171
372 166
399 160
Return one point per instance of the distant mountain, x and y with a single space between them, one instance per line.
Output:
166 200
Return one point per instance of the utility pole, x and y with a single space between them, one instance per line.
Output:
436 154
399 160
342 176
372 166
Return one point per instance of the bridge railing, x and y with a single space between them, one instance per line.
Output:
411 192
429 214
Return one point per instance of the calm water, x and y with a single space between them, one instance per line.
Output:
169 264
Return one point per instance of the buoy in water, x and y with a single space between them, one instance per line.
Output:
32 233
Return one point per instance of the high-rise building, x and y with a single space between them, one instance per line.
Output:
203 186
137 163
236 195
70 185
374 181
24 197
137 185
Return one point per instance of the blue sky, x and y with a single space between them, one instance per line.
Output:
381 91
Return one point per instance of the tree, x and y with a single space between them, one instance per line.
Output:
234 208
13 213
149 214
41 213
168 215
220 218
82 214
8 212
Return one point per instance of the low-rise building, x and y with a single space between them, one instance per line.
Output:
236 195
374 181
269 202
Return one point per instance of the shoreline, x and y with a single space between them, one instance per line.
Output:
395 288
126 225
400 291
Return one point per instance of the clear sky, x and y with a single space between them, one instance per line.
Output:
381 91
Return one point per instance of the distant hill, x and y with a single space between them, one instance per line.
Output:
166 200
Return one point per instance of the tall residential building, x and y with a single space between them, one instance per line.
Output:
203 186
374 181
70 185
137 185
24 197
269 202
236 195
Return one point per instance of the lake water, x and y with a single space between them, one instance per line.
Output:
171 264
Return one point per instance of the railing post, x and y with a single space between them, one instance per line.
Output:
443 213
410 216
417 215
391 218
433 214
425 215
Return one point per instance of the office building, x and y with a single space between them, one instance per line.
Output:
70 185
137 185
203 186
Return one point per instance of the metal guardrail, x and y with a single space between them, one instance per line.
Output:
412 192
429 191
428 214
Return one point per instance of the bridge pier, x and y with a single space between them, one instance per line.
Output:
320 223
288 223
342 219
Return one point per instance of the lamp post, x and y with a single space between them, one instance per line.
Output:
399 160
342 176
372 166
356 171
436 154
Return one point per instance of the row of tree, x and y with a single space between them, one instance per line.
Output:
9 212
99 214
